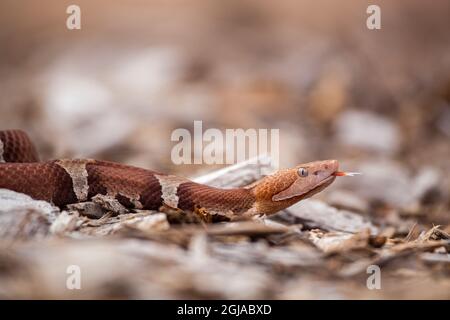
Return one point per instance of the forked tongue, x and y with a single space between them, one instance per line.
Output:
345 174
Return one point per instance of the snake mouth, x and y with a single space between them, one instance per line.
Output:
295 192
325 182
319 187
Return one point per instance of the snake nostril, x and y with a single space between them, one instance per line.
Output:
316 173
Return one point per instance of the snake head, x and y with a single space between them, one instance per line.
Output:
288 186
308 179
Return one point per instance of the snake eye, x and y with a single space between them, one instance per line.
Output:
302 172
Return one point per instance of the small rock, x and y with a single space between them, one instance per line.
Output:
110 204
89 209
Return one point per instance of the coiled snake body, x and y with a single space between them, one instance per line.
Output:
64 182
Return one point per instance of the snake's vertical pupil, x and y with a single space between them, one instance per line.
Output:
302 172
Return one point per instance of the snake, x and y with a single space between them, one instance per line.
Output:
68 181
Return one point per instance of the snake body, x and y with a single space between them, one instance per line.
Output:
64 182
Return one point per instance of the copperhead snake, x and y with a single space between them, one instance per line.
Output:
64 182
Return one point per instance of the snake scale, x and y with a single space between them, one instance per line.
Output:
64 182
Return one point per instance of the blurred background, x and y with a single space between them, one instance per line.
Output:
376 100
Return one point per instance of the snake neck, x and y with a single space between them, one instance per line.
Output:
193 197
255 199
